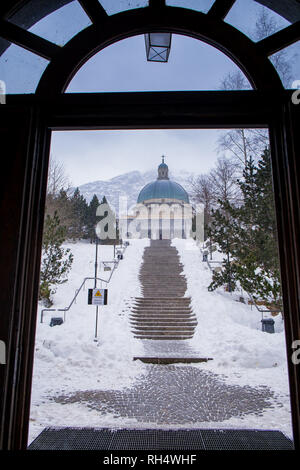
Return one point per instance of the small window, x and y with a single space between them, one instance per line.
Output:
21 70
254 20
116 6
198 5
287 64
59 26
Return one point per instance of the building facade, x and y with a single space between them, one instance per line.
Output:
163 210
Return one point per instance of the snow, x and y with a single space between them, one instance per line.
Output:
230 332
68 359
66 356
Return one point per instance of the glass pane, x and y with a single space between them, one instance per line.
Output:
116 6
160 39
287 64
258 23
158 53
199 5
21 70
60 26
192 65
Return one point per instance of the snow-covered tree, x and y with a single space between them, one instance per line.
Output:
56 261
246 234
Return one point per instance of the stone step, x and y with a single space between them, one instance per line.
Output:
165 284
166 338
161 318
159 304
173 307
171 360
154 312
163 329
159 294
162 307
155 309
169 314
165 299
137 317
161 332
163 290
163 323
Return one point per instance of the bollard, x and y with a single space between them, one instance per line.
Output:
268 325
56 321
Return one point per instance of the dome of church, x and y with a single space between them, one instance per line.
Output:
163 188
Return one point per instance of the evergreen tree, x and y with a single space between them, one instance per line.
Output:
222 231
247 235
79 209
63 206
56 261
92 218
107 225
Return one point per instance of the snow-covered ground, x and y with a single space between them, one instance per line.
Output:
230 332
68 359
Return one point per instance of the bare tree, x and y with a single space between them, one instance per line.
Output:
235 81
241 144
266 25
201 192
223 181
58 193
219 183
57 179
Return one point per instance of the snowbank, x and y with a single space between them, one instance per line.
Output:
230 332
66 356
227 329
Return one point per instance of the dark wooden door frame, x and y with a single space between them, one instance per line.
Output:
27 122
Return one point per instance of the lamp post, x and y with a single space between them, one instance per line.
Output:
158 46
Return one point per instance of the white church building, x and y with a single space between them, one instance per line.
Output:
163 210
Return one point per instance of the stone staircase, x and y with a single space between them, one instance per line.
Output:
163 313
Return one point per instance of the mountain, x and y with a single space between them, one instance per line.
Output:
128 185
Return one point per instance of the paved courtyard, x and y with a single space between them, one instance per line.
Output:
177 395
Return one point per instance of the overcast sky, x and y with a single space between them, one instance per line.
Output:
192 65
99 155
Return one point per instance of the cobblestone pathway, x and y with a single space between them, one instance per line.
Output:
177 395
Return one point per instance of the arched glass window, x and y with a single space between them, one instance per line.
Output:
54 24
192 65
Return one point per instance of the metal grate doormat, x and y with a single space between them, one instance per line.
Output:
159 439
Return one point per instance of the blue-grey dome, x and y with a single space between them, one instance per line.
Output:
163 189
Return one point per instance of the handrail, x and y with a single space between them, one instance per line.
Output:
66 309
262 311
72 301
209 262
